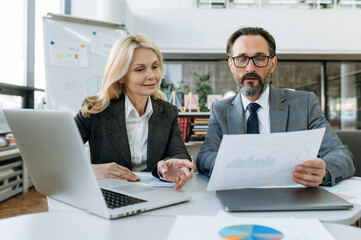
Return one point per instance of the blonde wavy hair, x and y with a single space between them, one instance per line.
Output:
117 67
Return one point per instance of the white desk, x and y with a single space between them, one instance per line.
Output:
207 203
77 225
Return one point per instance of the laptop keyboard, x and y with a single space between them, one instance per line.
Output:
117 200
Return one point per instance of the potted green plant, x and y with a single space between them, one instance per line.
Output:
203 89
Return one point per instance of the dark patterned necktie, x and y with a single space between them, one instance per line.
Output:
252 122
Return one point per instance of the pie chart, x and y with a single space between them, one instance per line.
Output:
250 232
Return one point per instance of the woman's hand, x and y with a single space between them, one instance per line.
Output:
175 170
113 170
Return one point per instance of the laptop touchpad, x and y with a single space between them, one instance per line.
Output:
133 189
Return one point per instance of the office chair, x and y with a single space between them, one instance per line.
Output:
352 138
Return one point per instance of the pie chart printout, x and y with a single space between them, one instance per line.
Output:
250 232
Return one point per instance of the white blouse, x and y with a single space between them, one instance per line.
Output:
137 130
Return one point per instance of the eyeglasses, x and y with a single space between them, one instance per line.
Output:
243 61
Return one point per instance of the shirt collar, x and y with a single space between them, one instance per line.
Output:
130 110
263 100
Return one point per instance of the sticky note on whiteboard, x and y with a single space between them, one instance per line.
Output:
68 54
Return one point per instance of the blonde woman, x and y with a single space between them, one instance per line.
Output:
128 124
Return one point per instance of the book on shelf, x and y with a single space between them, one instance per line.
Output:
201 121
200 132
184 126
196 137
193 128
200 126
188 129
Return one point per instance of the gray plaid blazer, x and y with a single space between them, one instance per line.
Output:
108 139
289 111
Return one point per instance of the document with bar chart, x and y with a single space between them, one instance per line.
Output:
259 160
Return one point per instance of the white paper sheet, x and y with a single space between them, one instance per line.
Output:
348 189
255 160
101 44
209 227
146 178
68 54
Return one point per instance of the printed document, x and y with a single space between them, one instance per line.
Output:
348 189
225 226
146 178
259 160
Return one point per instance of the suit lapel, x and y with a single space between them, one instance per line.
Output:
157 123
117 131
278 110
235 116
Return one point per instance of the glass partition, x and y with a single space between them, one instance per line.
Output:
302 76
344 94
305 76
341 83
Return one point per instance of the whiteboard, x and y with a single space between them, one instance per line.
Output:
76 51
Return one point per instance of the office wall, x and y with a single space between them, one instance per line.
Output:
297 31
153 4
105 10
84 8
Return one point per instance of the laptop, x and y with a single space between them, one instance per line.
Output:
280 199
55 156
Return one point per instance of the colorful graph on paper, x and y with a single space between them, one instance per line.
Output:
250 232
147 179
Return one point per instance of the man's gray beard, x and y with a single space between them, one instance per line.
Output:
250 90
253 91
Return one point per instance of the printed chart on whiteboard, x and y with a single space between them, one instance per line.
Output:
76 52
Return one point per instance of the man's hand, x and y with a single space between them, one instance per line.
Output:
113 170
311 173
175 170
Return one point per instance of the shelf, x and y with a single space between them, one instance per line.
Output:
190 144
193 147
9 154
194 114
14 177
11 193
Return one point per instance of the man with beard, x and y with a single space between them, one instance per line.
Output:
261 108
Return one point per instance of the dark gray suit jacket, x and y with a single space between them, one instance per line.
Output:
108 139
289 111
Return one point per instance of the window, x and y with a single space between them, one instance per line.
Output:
344 94
42 7
342 83
304 76
12 45
8 101
17 81
180 74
